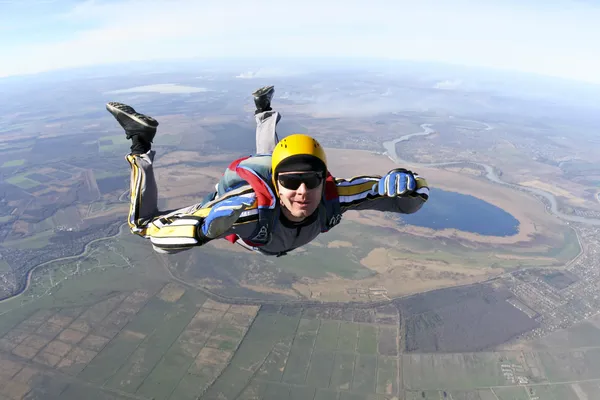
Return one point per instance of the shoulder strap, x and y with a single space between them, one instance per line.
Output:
331 201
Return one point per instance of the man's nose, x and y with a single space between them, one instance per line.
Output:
302 188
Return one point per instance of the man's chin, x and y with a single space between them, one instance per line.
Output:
303 213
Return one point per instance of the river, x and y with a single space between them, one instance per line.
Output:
86 248
491 175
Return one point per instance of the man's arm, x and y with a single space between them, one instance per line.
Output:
361 193
195 225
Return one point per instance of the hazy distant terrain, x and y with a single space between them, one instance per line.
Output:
366 311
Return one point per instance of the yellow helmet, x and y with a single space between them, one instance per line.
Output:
297 152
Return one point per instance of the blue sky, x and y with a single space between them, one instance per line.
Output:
554 37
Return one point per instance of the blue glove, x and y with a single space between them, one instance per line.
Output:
223 215
398 182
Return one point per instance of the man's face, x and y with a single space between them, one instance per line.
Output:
302 195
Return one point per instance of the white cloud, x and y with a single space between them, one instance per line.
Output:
246 75
165 88
265 73
556 41
448 84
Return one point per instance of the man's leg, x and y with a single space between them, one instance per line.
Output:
266 120
140 129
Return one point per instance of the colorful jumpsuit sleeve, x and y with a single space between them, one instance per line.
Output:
177 230
357 194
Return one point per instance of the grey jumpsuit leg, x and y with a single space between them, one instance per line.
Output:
143 199
266 132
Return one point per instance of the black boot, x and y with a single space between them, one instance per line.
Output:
262 98
140 128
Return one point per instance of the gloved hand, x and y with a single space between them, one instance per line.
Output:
223 215
397 182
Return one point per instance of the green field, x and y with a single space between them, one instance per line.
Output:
22 181
160 342
35 241
552 392
454 371
583 334
109 173
66 217
327 336
15 145
13 163
168 140
117 142
570 365
546 392
549 375
367 341
590 389
12 126
322 261
286 356
512 393
570 248
423 395
483 256
138 373
6 218
483 394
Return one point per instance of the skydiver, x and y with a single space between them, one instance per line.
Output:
275 201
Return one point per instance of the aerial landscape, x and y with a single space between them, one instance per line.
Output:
482 295
490 291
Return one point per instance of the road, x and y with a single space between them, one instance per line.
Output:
491 175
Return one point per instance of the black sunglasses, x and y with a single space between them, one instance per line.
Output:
293 181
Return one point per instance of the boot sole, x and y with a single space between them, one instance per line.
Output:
263 91
120 108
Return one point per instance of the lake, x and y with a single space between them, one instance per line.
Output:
451 210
